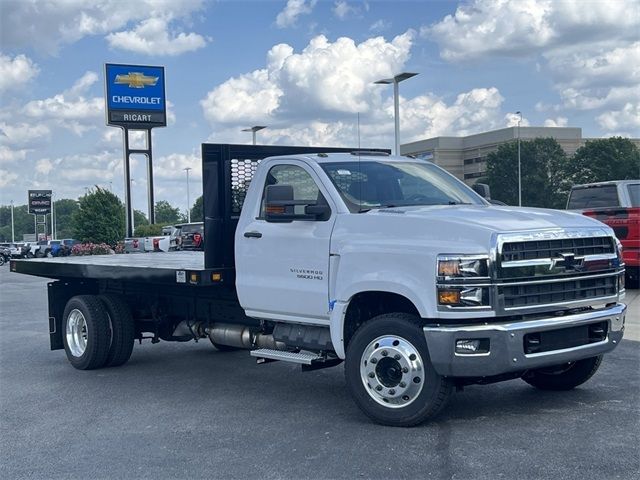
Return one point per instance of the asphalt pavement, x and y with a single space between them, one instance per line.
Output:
188 411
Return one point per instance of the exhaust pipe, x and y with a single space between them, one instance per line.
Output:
240 336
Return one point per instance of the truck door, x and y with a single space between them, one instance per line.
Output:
282 268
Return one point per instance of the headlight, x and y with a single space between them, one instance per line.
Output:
452 266
463 281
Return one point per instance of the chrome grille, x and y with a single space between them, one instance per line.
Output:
538 249
534 294
563 269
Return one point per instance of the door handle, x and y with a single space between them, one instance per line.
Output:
252 234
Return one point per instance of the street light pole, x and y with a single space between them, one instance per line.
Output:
253 130
519 163
188 199
396 102
53 216
13 232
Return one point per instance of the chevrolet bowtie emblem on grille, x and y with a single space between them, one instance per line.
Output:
136 80
567 260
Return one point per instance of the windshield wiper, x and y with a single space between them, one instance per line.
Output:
451 202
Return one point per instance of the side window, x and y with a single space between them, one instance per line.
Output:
304 188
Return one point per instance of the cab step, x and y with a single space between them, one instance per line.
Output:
305 358
308 361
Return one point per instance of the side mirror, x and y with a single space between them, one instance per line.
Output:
482 189
280 206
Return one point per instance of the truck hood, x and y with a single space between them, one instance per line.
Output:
494 218
447 228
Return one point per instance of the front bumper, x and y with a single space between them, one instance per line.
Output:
506 343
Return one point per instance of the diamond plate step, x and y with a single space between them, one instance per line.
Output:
304 358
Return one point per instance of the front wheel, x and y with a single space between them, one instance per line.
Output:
389 373
565 376
86 332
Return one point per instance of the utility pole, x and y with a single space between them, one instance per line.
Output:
188 197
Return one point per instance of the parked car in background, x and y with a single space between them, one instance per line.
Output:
5 255
55 248
134 245
16 250
191 236
617 204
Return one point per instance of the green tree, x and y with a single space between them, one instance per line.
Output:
166 214
148 230
600 160
197 211
64 210
99 218
542 163
23 222
139 218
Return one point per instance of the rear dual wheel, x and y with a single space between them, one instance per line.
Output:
98 331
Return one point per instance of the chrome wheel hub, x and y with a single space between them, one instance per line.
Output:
76 333
392 371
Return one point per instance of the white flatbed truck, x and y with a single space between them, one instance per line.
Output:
318 256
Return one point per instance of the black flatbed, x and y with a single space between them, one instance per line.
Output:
154 267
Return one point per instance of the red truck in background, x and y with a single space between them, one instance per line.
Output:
616 203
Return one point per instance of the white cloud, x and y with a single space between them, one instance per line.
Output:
16 72
313 97
10 155
556 122
325 77
152 37
342 9
171 167
380 26
44 166
7 178
294 8
504 27
628 118
589 50
69 109
511 120
429 116
23 134
47 25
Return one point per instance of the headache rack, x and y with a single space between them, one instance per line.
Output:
227 171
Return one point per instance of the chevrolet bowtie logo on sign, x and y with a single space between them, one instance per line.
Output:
135 96
136 80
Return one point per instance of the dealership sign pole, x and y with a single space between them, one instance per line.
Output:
135 100
40 204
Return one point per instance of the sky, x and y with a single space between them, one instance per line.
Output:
304 68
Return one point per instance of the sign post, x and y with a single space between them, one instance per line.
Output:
39 203
135 100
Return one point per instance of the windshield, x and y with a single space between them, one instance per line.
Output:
379 184
593 196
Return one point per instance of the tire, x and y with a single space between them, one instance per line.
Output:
2 261
39 254
403 389
563 377
29 255
86 332
122 330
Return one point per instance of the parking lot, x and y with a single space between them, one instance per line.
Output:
188 411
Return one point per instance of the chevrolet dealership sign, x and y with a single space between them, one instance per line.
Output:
135 96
